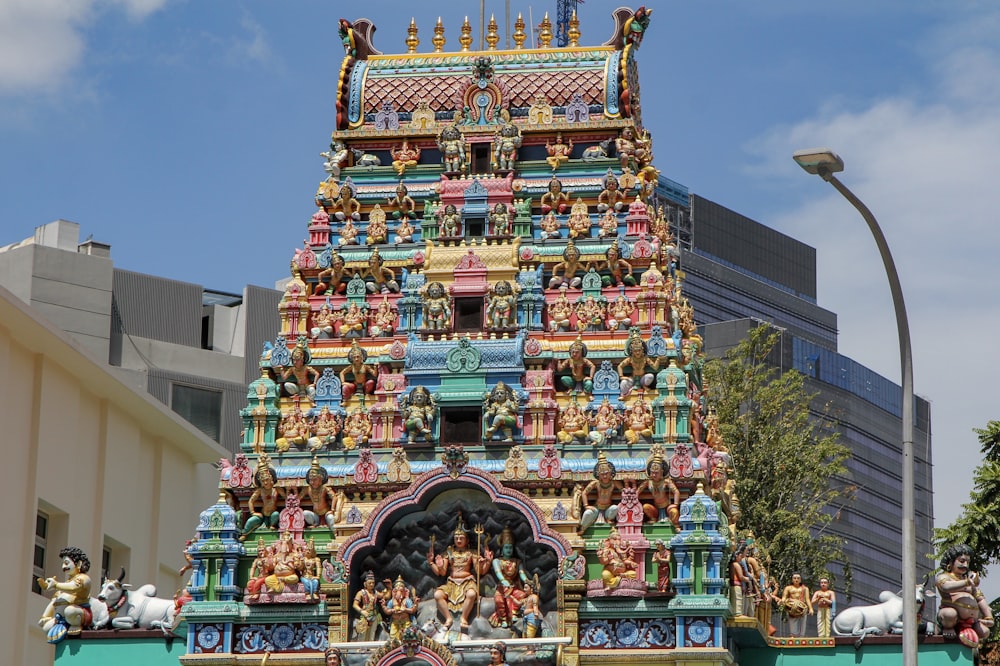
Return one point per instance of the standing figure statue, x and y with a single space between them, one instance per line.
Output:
661 558
69 610
419 411
463 569
501 412
366 603
798 604
401 609
437 307
451 143
500 218
511 576
507 141
501 312
603 488
451 222
964 612
824 600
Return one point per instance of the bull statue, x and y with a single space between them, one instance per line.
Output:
137 609
882 618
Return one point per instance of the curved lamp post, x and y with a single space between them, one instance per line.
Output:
824 163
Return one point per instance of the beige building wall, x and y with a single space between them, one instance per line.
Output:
111 468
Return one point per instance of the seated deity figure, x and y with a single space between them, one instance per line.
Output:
384 319
611 197
323 320
618 270
618 558
356 375
357 429
560 312
300 378
637 368
378 231
404 156
382 279
324 429
511 577
559 152
353 321
663 492
549 225
462 568
620 313
603 489
590 315
965 612
555 199
580 368
565 272
572 425
265 501
579 221
639 420
405 231
608 225
69 610
293 430
403 203
324 504
605 424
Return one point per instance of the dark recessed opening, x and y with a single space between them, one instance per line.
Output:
461 425
475 227
468 314
481 158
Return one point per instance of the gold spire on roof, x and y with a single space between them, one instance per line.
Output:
438 40
519 34
492 36
574 31
412 41
466 38
545 32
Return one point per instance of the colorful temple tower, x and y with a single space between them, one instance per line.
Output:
482 418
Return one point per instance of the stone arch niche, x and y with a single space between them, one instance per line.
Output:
397 535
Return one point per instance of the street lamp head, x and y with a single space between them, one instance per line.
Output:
819 161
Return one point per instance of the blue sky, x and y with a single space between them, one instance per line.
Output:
187 135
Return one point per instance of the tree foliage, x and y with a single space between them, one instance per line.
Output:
979 523
786 462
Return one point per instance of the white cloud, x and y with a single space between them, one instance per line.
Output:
254 46
925 163
43 41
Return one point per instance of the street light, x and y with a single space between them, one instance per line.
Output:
824 163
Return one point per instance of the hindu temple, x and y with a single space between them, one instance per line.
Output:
481 434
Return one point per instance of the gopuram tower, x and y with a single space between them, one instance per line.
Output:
482 418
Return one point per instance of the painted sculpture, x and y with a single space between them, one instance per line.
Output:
68 612
964 611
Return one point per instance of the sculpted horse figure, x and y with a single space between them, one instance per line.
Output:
136 609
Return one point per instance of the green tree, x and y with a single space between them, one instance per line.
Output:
786 461
979 523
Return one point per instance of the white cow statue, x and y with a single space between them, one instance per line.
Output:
877 619
137 609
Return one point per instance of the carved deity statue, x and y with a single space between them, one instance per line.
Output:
572 425
462 568
618 558
404 156
500 411
507 141
579 220
549 226
602 489
580 368
357 429
451 222
383 279
437 307
618 270
68 611
965 611
560 312
559 152
403 203
666 499
500 219
637 368
554 198
611 199
419 412
451 143
565 272
501 310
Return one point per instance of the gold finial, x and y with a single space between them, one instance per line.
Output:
492 36
574 31
466 39
545 32
519 34
412 41
438 40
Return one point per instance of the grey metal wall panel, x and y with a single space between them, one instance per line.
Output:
262 322
158 308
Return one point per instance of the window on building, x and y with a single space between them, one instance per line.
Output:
105 561
41 546
468 314
461 425
475 227
202 407
481 158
